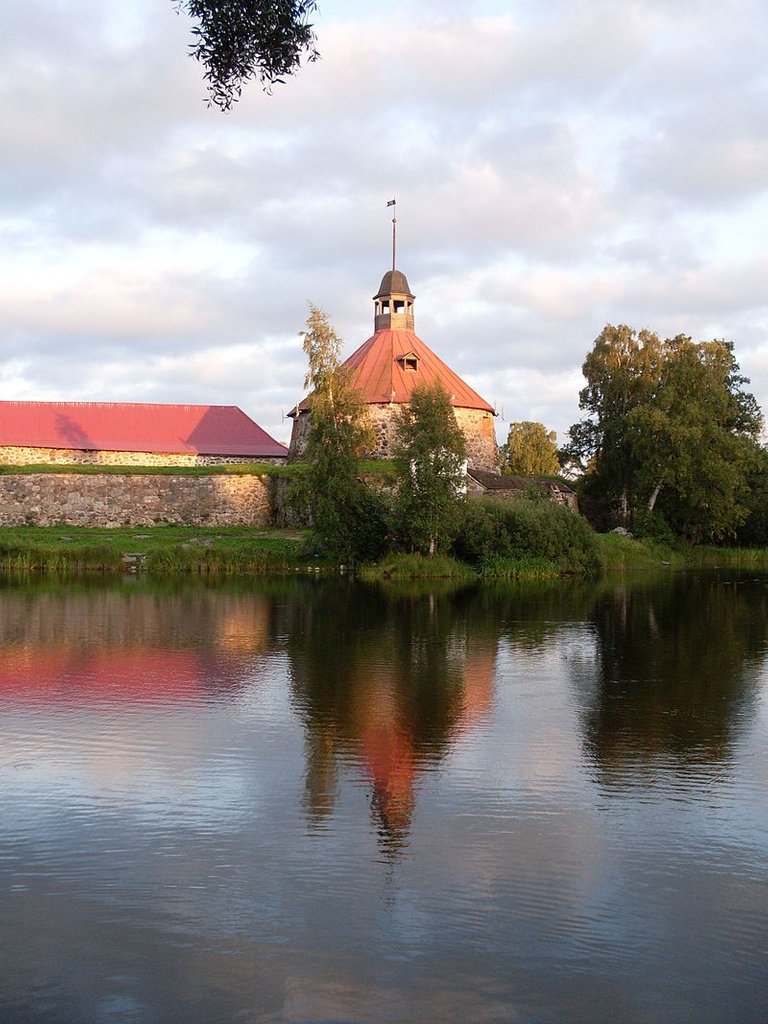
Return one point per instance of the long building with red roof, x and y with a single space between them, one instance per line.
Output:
389 365
132 433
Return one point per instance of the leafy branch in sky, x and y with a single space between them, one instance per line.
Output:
238 40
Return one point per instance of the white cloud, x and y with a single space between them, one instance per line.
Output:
556 167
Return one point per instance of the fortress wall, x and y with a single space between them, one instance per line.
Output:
16 456
77 499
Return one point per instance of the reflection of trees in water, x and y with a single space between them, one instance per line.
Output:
676 666
389 682
530 616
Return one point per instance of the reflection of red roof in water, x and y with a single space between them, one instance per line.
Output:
136 427
390 757
55 674
479 679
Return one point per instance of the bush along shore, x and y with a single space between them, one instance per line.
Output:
524 540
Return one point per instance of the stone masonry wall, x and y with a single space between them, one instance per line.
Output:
480 436
476 425
13 456
77 499
299 434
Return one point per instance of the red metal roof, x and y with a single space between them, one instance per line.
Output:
381 377
136 427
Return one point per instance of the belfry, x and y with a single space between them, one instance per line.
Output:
389 365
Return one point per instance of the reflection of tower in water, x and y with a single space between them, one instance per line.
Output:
410 682
395 757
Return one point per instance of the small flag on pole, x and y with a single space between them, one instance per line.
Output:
394 228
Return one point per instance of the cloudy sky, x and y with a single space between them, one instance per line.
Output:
557 166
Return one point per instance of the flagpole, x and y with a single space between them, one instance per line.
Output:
392 203
394 235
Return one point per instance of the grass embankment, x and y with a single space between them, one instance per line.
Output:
153 549
618 553
615 554
400 567
243 551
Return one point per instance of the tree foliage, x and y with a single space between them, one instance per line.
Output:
753 532
669 426
430 455
348 517
530 450
237 40
621 372
531 526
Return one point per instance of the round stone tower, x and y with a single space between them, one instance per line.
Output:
386 369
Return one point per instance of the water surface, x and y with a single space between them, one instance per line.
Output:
318 801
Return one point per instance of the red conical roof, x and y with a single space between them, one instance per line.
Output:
380 371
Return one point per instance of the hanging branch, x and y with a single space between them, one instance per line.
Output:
238 40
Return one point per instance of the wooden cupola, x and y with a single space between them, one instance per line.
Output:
393 303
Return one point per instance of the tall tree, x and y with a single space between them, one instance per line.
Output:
754 530
622 371
237 40
430 455
530 450
669 425
347 516
695 443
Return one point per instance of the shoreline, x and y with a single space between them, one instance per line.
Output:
249 551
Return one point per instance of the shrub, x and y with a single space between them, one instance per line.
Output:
653 526
369 526
526 528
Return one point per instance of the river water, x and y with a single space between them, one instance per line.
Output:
319 801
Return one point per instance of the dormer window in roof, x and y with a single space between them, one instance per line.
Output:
409 361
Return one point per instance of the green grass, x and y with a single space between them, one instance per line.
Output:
705 557
528 567
416 567
152 549
619 554
242 551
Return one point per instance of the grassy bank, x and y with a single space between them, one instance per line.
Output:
154 549
401 567
230 551
621 554
616 554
